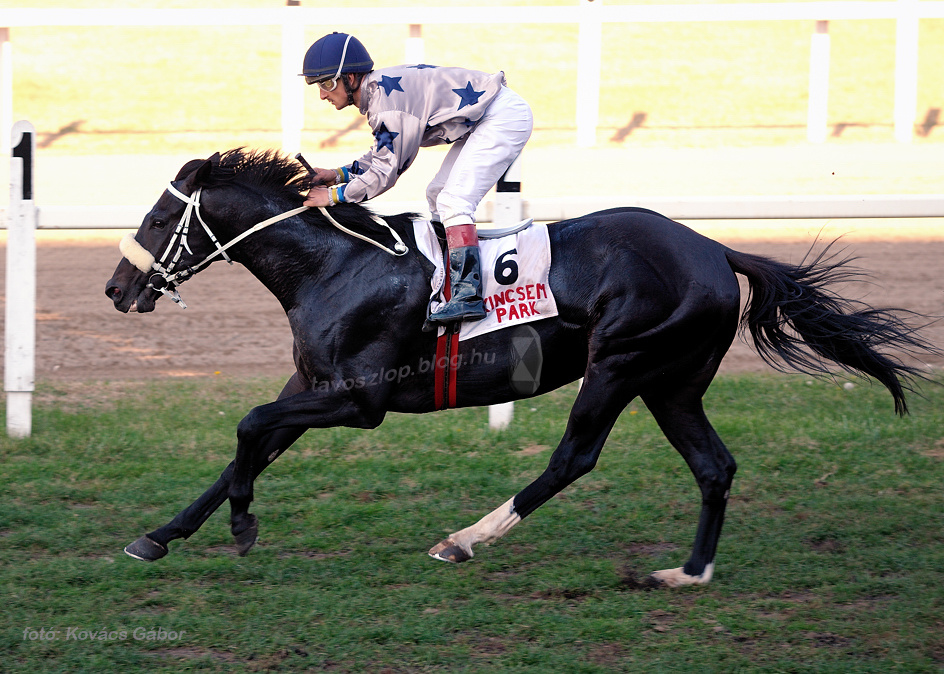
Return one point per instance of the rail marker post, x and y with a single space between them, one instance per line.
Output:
20 324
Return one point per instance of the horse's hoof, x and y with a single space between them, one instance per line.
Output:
146 550
450 551
678 577
247 538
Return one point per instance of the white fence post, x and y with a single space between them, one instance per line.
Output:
506 211
293 90
414 51
818 105
20 325
6 90
906 70
589 63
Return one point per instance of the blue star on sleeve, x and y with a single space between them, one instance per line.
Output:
468 96
390 84
385 138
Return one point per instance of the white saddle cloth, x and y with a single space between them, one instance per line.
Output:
516 268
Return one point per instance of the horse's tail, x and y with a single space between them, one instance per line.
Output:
825 326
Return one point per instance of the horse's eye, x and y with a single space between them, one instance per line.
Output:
158 224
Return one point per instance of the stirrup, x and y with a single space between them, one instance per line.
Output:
458 311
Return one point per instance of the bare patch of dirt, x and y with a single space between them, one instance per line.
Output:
185 653
830 545
651 549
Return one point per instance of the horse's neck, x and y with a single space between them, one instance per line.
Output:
290 256
276 252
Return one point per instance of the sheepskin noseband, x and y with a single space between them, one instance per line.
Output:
135 253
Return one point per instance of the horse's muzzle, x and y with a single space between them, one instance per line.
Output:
129 297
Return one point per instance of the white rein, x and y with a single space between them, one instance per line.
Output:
141 258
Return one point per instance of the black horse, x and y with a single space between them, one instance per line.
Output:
647 308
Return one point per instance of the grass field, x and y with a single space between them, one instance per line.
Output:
158 90
831 561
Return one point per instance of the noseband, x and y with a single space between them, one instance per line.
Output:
141 258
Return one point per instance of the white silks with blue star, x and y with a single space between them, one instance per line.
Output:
414 106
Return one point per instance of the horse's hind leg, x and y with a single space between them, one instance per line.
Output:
681 417
600 401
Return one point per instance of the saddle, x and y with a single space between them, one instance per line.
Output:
491 233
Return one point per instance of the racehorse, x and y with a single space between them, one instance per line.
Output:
646 308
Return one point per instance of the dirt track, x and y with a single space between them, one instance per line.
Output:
234 327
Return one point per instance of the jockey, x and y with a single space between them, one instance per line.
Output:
413 106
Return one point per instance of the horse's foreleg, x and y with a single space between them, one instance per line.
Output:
682 419
595 411
258 445
153 546
256 458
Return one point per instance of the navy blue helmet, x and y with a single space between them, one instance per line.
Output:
334 55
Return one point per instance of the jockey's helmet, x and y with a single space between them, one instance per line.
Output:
334 55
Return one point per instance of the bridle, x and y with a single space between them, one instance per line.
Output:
144 260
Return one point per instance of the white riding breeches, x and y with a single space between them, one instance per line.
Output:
475 163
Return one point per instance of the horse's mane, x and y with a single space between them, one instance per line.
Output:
265 170
280 176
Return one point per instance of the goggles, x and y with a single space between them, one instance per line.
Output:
326 85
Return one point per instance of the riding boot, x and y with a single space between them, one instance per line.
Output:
465 277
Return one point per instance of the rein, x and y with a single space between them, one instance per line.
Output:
144 260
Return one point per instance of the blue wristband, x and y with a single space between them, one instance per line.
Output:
336 193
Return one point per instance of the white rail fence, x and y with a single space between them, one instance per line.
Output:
774 207
589 15
23 218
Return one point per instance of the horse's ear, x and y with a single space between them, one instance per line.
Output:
202 177
215 159
189 168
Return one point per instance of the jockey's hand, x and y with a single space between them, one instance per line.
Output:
322 176
318 197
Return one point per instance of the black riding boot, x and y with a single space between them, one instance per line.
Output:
465 277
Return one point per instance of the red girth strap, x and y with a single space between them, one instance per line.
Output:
445 374
447 355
